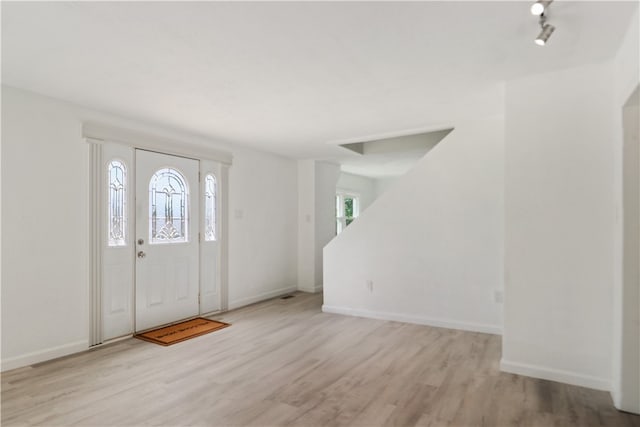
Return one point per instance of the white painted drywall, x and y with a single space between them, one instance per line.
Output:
625 384
262 226
45 266
431 246
627 61
306 225
359 185
316 219
383 184
326 178
45 218
629 392
559 226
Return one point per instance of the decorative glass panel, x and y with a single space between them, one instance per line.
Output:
168 207
117 176
210 196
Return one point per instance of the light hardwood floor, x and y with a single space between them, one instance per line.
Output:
283 362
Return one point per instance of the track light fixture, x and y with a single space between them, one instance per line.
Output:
547 30
539 7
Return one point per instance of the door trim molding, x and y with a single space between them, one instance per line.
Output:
224 235
95 135
145 141
95 243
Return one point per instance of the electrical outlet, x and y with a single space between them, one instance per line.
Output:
498 296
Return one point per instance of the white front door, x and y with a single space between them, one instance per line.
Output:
166 239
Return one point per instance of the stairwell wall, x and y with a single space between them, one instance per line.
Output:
429 251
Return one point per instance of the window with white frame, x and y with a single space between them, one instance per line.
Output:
210 197
117 181
168 207
347 209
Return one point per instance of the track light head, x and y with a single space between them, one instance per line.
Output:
547 30
540 6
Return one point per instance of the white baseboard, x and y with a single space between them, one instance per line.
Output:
397 317
314 290
544 373
261 297
43 355
615 396
627 405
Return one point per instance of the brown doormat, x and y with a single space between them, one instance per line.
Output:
182 331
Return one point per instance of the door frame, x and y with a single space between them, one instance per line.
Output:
96 134
626 330
206 247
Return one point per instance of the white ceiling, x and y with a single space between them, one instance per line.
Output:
294 78
390 157
381 165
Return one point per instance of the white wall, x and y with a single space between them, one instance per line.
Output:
316 219
559 226
432 244
263 226
45 218
44 224
629 312
359 185
326 178
383 184
306 226
625 384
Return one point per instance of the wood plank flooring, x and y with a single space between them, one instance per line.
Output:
284 362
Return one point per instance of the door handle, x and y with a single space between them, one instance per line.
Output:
141 254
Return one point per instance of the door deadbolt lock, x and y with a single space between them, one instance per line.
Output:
141 254
141 241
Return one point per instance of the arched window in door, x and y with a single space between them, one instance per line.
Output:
117 181
210 213
168 207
